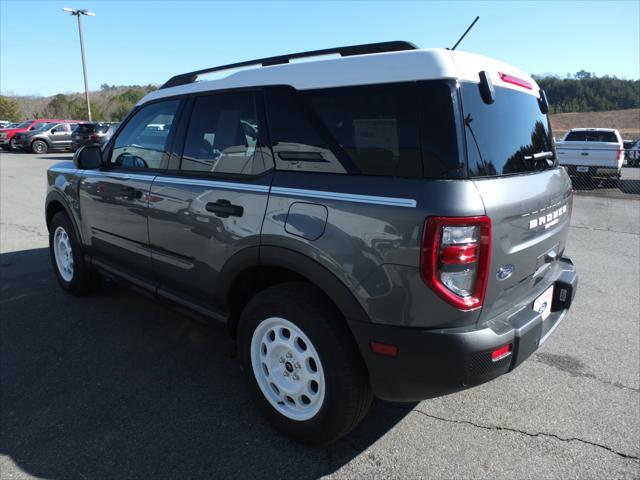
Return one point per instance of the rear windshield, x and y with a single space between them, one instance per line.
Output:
500 135
84 128
24 124
101 128
589 136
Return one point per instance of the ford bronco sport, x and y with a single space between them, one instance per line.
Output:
390 222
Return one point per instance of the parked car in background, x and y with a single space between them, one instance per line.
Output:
589 153
4 123
633 154
92 133
7 135
49 136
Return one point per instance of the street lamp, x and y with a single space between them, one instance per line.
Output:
78 13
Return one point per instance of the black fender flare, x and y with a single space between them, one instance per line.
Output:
319 275
57 197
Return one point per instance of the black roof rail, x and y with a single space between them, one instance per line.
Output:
394 46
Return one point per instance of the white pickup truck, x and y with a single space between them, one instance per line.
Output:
591 152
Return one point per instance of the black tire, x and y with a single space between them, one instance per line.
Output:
39 146
12 144
347 394
82 280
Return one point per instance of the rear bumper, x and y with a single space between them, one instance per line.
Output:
431 363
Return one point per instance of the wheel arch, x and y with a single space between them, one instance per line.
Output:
55 203
280 265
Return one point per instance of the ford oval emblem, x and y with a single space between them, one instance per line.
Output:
505 272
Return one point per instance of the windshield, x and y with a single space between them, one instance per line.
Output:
24 124
500 135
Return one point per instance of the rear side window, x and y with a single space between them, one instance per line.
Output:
588 136
500 135
223 136
377 126
384 130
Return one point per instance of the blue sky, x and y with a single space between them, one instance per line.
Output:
147 42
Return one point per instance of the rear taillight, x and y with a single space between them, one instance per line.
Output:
93 137
620 154
454 258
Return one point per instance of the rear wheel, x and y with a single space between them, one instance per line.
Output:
72 272
302 365
12 144
39 146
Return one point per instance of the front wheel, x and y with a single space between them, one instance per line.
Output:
12 144
301 364
72 272
39 147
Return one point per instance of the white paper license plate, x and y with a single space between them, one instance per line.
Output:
542 305
582 169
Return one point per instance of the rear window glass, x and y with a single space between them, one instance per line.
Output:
500 135
84 128
587 136
388 130
101 128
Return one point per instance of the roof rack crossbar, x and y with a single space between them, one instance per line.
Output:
394 46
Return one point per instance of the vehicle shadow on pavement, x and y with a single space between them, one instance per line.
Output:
116 385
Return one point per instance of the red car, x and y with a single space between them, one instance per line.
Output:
7 134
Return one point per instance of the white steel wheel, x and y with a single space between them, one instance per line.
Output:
287 368
63 253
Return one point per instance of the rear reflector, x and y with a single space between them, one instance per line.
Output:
505 77
384 349
501 353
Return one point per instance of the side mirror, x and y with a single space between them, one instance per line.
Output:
53 130
88 157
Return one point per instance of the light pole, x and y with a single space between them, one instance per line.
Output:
78 13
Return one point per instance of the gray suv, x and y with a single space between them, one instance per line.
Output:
48 136
389 222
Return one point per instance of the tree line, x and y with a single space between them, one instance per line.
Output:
586 92
110 104
579 92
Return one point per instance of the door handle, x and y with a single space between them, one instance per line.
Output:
131 193
223 208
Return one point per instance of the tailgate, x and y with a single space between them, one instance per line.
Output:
596 154
529 220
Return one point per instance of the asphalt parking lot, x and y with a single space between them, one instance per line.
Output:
115 385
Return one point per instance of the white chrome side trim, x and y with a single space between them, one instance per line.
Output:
125 176
214 184
346 197
63 170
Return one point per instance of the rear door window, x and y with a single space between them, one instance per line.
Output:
223 136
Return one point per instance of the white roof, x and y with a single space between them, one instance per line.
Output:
387 67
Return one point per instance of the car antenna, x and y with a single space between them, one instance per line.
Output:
465 32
